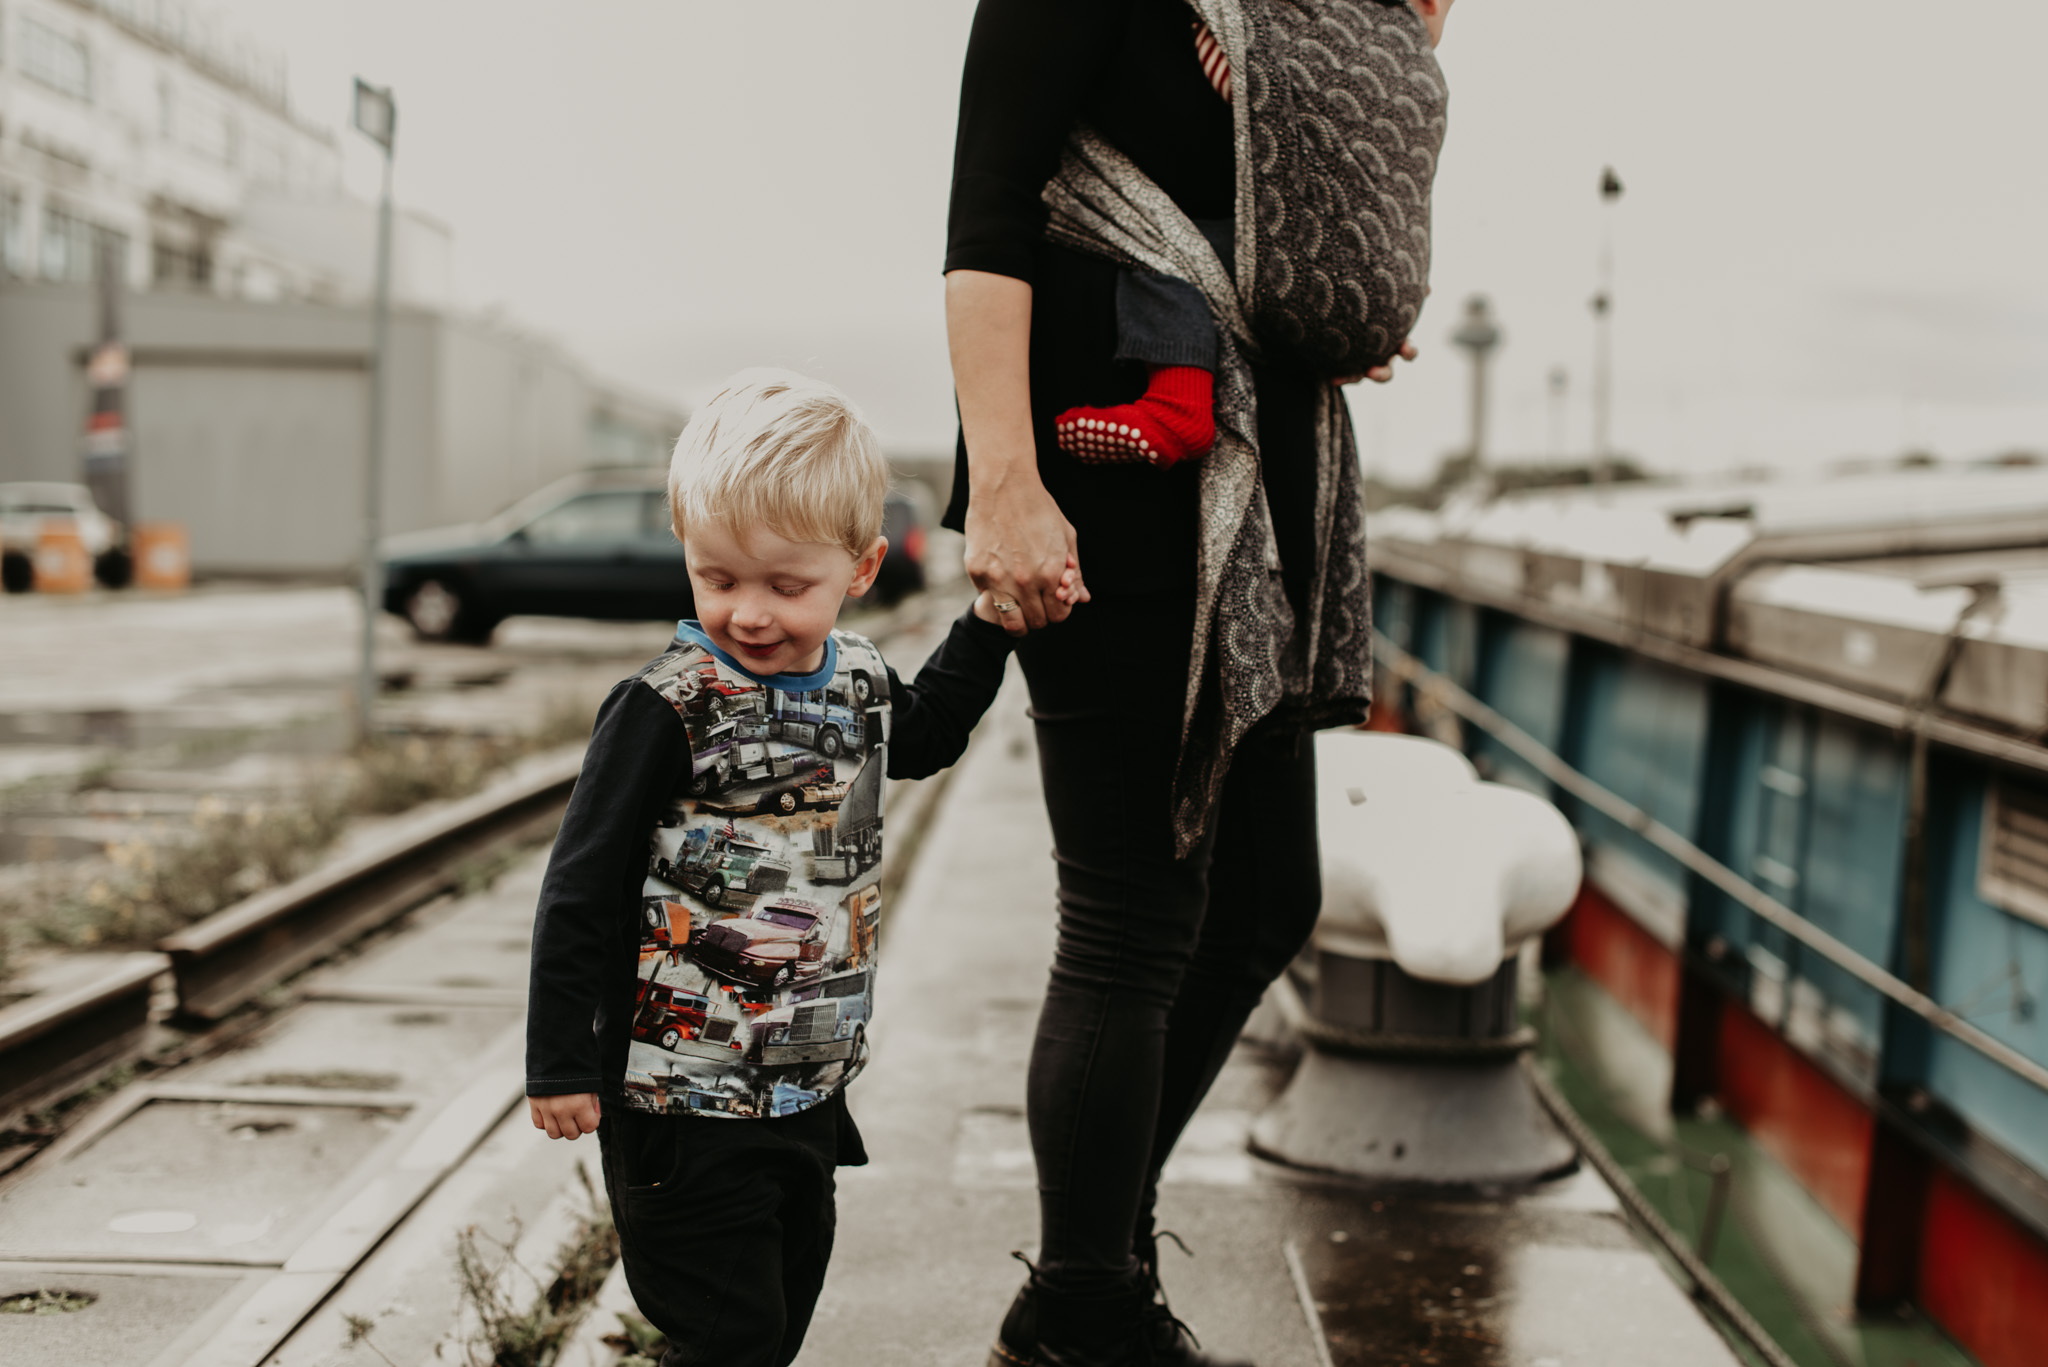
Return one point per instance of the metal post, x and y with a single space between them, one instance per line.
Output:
1479 336
377 117
1560 385
1603 335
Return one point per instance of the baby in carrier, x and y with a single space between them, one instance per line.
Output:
1164 324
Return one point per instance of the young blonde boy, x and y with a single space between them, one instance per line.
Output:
704 954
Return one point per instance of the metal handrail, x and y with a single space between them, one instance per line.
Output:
1705 865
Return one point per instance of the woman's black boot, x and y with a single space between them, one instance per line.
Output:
1173 1343
1046 1327
1099 1331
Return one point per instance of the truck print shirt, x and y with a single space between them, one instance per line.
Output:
706 936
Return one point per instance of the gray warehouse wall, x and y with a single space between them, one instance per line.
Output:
249 418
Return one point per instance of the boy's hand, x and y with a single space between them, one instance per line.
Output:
1070 591
565 1117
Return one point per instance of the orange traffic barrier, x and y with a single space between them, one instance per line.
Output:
163 555
61 564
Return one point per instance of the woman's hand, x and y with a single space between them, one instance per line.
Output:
1380 374
1020 549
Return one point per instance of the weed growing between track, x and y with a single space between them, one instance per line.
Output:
522 1319
143 890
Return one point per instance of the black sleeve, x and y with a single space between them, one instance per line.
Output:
933 717
1029 65
588 901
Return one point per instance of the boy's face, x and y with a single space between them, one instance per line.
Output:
770 602
1433 13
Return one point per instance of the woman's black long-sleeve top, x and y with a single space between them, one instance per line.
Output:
1127 68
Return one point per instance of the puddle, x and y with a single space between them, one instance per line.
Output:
153 1222
41 847
45 1301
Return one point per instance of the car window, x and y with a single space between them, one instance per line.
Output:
795 920
655 523
596 519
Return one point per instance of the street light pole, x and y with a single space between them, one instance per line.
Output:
1478 336
376 117
1603 334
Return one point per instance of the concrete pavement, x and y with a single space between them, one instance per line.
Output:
1289 1270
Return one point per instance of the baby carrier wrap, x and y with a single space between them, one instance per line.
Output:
1345 109
1339 117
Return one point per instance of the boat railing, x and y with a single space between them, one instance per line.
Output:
1446 692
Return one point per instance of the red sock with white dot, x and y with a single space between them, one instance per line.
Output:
1173 422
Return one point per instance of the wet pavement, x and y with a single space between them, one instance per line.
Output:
1287 1270
266 1203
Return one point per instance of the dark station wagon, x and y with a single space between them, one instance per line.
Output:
597 544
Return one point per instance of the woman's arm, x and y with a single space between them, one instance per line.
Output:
1018 543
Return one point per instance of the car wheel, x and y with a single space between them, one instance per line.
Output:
718 707
785 801
17 572
671 1037
653 915
829 743
700 784
434 609
863 689
782 976
114 568
714 894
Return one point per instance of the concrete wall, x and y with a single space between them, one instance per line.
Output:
248 418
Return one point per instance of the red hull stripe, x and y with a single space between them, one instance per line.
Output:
1625 960
1983 1277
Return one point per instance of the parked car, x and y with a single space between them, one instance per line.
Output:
902 572
597 544
26 505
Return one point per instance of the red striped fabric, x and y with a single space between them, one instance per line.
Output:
1215 64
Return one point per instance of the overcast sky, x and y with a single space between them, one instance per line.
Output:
1830 245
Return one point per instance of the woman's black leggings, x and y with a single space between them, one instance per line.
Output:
1160 960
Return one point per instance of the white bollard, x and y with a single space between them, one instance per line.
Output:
1432 882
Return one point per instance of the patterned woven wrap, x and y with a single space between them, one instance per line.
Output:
1251 656
1313 210
1345 107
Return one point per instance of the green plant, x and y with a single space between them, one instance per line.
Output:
526 1328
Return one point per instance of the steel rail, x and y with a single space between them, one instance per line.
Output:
238 953
1706 1286
1698 861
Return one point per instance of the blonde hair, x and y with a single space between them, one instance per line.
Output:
775 449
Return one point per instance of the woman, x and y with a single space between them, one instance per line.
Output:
1186 846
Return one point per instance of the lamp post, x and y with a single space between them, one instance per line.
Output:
1602 305
1478 335
1560 386
376 118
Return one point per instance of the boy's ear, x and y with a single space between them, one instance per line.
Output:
867 567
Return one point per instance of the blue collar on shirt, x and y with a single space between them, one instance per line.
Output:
788 683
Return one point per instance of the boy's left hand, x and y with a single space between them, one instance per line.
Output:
565 1117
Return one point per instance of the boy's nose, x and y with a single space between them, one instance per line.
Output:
752 612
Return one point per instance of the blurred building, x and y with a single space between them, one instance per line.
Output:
139 124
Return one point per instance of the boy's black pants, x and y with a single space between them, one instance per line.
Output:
725 1226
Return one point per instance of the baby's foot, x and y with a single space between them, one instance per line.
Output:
1173 422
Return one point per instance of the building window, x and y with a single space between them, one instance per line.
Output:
57 60
13 235
174 267
210 130
71 246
